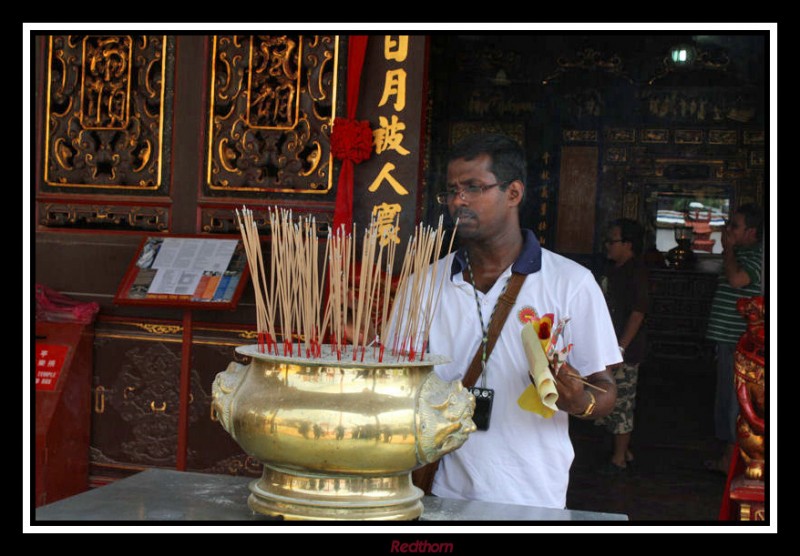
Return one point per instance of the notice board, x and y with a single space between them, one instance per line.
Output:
185 271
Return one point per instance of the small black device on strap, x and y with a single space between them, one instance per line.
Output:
423 477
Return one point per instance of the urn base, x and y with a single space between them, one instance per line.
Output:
299 495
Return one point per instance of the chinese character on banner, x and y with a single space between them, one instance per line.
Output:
386 175
386 216
389 136
49 362
395 85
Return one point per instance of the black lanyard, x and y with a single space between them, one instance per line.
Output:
484 328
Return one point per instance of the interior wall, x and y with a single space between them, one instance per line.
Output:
578 199
698 128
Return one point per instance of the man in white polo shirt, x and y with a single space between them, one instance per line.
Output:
523 457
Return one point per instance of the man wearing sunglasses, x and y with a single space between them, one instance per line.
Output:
626 287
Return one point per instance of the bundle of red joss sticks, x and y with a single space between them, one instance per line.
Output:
337 299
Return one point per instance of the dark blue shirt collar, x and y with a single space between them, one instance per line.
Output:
528 262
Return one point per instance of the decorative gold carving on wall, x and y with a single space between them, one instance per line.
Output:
753 137
589 59
460 130
722 136
689 136
757 159
273 101
677 168
223 220
630 205
160 328
696 106
655 135
106 112
702 60
72 214
218 221
621 135
584 135
168 333
616 154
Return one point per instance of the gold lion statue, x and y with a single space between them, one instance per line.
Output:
749 381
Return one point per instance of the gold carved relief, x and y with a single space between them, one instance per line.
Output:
460 130
105 112
654 135
616 154
273 101
621 135
689 136
584 135
69 214
722 136
630 205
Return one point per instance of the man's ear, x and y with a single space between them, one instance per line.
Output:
515 192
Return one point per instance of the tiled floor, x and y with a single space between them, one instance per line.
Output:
673 436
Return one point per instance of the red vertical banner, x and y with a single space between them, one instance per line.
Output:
342 143
393 98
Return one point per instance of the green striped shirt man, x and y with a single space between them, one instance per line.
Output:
725 323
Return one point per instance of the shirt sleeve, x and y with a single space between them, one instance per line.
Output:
590 330
751 263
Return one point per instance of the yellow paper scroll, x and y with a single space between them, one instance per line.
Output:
530 401
541 396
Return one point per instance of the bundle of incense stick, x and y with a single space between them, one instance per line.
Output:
356 291
265 306
417 286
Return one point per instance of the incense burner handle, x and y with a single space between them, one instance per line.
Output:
224 390
444 418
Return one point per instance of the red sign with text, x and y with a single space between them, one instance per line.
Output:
49 361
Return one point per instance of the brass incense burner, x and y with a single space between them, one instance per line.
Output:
339 437
340 427
681 256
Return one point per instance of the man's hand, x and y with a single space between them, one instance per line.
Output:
726 240
573 396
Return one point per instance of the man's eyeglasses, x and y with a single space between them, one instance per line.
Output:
466 193
612 241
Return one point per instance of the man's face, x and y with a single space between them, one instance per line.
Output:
476 200
616 249
739 233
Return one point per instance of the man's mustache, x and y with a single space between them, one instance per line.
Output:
463 212
450 219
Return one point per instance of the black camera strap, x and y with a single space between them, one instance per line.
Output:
504 304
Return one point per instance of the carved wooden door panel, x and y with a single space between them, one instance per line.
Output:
107 132
136 409
169 134
143 134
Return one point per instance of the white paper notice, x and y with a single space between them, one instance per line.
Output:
175 281
180 263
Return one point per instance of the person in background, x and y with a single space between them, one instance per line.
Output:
740 277
626 287
523 457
